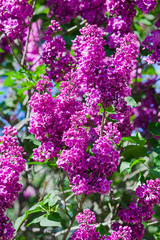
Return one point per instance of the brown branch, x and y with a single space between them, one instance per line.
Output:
42 195
9 42
103 123
64 199
74 216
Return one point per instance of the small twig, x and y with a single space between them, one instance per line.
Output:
64 199
42 195
69 197
74 216
74 27
9 42
102 124
21 124
152 223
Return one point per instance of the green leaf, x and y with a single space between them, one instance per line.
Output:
138 139
141 160
155 172
100 107
9 102
101 229
157 160
157 150
8 82
40 69
20 238
149 16
157 236
145 21
1 50
141 179
35 208
124 166
144 224
53 198
134 151
31 137
154 142
19 221
35 220
131 102
72 53
125 200
51 220
148 70
39 16
52 164
157 97
154 128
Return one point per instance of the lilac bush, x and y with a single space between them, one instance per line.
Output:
81 111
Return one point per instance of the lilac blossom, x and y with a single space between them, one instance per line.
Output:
12 164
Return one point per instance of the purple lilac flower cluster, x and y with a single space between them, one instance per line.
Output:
13 14
123 233
55 54
148 195
72 123
147 109
152 43
91 10
87 230
50 118
121 12
12 164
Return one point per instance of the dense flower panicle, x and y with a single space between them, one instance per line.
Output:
148 195
63 10
50 118
55 54
123 233
6 228
12 164
121 14
91 10
13 14
147 109
146 5
152 43
72 122
87 231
